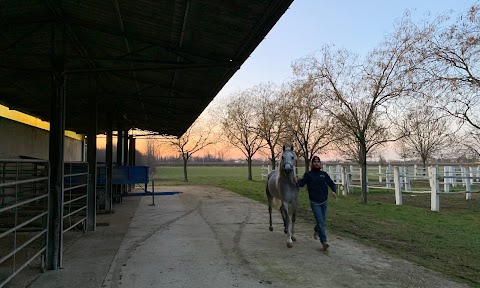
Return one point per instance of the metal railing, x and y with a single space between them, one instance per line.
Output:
75 194
24 186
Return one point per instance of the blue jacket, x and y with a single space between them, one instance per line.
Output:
317 185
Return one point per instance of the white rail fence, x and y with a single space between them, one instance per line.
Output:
400 178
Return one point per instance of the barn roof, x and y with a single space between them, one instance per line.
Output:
157 64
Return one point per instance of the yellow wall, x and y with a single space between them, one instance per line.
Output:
32 121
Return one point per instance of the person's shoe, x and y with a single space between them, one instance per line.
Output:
315 235
325 246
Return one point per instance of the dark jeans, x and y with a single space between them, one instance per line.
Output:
320 214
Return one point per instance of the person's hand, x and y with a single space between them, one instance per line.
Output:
336 197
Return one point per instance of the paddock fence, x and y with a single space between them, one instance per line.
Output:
411 179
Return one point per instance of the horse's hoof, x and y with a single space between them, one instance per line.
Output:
270 228
289 245
294 239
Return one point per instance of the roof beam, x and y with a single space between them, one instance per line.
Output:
127 46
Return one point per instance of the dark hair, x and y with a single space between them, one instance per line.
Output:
311 163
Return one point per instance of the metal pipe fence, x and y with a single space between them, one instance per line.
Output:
24 186
75 195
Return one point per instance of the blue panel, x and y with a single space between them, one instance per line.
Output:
129 174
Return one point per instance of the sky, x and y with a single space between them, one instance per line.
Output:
309 24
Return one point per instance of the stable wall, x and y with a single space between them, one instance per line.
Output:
18 139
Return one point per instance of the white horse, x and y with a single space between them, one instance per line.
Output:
282 185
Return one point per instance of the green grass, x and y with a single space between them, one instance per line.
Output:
447 241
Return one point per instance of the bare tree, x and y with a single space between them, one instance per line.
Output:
151 157
271 123
471 143
426 133
358 93
309 127
240 126
196 138
451 67
376 134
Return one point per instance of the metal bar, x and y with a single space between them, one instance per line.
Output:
23 224
75 187
22 203
21 268
225 65
76 211
76 174
27 161
23 245
14 183
75 199
72 226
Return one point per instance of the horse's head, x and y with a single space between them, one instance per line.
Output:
287 163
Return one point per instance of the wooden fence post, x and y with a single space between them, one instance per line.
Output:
434 188
380 173
344 181
407 179
468 183
388 176
446 178
398 185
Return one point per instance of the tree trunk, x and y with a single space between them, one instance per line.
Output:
273 161
249 161
185 174
363 166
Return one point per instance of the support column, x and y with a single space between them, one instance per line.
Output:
131 155
56 159
125 147
117 192
119 145
131 150
92 162
109 161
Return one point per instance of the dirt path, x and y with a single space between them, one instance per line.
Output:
209 237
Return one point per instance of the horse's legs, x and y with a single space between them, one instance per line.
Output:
288 224
269 197
284 218
294 213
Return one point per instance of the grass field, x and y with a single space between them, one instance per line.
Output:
447 241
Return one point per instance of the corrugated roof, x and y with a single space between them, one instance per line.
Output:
160 62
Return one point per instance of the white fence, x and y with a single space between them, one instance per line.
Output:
400 178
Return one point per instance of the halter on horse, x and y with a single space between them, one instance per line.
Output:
282 185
